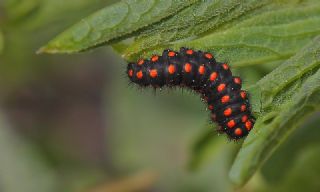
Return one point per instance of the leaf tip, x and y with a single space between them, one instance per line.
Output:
49 48
234 178
41 50
53 50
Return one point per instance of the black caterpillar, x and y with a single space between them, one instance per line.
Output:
198 70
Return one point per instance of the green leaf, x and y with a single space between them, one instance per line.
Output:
260 44
270 36
287 95
113 22
191 22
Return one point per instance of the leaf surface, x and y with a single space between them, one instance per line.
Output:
270 36
287 95
112 22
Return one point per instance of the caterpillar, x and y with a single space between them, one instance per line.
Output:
199 71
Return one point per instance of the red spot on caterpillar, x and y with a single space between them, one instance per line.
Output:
231 123
244 118
139 74
202 70
248 125
140 62
171 69
243 108
189 51
171 54
208 55
154 58
221 87
243 94
225 99
153 73
225 66
210 107
130 73
238 132
227 112
187 67
237 80
213 76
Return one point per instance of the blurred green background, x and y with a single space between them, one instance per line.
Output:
73 122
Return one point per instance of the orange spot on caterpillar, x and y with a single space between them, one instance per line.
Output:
154 58
140 62
225 66
244 118
187 67
153 73
189 51
221 87
225 99
130 73
139 74
171 54
171 69
237 80
201 69
248 125
213 76
208 55
243 94
243 108
227 112
231 123
238 131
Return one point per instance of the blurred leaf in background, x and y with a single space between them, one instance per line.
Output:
20 162
26 25
1 42
295 160
54 104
